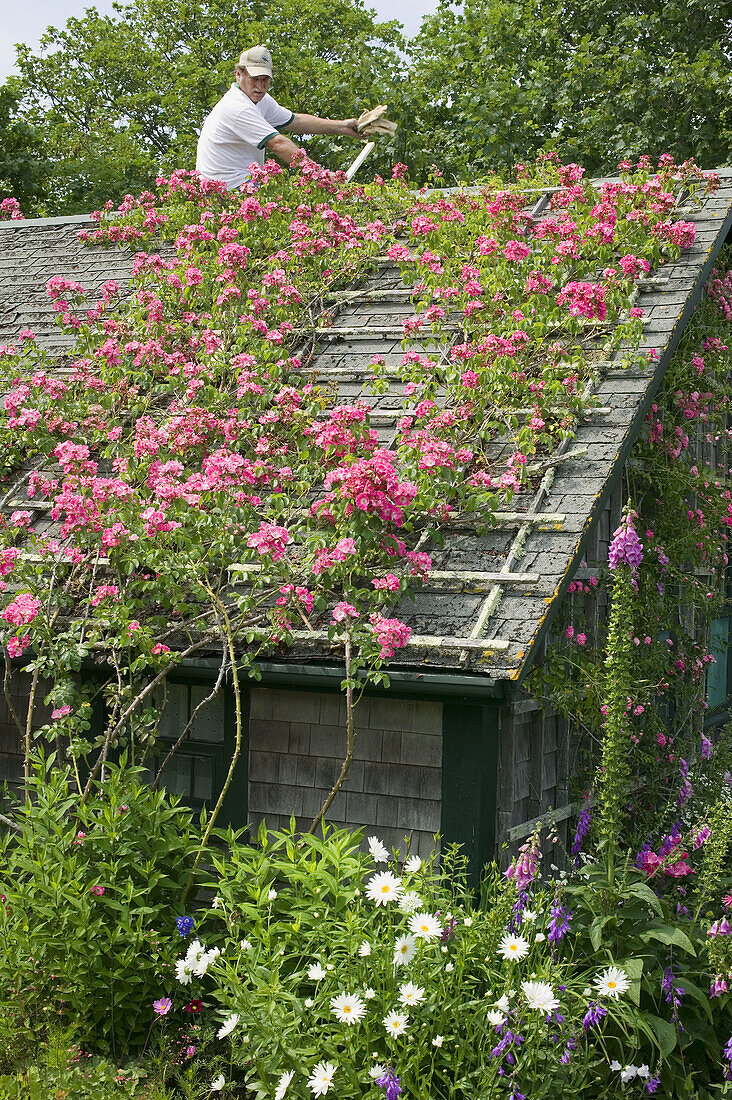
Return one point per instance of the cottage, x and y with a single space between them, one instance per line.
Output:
455 744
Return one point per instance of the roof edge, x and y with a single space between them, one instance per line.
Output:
694 296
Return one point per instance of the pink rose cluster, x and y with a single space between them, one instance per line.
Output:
22 610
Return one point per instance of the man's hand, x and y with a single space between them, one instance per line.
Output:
349 129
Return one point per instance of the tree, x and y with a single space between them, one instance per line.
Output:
119 99
501 79
22 168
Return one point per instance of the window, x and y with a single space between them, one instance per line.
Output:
199 767
717 672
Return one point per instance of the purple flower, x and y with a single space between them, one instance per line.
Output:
674 993
390 1084
162 1006
560 922
626 547
701 837
583 827
718 986
706 748
185 925
448 932
652 1084
595 1013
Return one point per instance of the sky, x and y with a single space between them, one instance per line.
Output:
26 21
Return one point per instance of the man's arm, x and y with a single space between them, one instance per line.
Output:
311 124
283 148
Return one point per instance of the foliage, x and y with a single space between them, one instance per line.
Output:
643 688
118 100
190 445
22 164
337 966
90 896
209 494
493 83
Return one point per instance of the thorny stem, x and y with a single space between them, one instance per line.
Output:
189 725
115 729
237 743
349 743
29 723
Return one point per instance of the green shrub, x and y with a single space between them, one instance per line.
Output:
91 893
323 989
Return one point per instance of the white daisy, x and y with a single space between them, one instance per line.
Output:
348 1007
217 1084
369 994
383 887
503 1003
365 949
612 982
410 901
316 972
424 926
540 995
283 1083
410 994
529 916
513 947
404 950
438 1040
379 853
413 864
228 1026
183 971
495 1017
377 1071
321 1078
396 1022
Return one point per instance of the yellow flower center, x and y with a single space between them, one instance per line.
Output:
612 985
346 1008
385 888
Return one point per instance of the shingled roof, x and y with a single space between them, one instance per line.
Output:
491 593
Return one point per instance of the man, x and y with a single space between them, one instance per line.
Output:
247 120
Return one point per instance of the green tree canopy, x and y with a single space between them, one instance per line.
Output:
118 99
22 167
596 79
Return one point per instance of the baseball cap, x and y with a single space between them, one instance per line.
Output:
257 61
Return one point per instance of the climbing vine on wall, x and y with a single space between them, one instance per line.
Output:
666 579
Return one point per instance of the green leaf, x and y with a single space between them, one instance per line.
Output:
634 969
643 891
667 934
665 1034
596 929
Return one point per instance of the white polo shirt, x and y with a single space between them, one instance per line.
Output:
233 136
